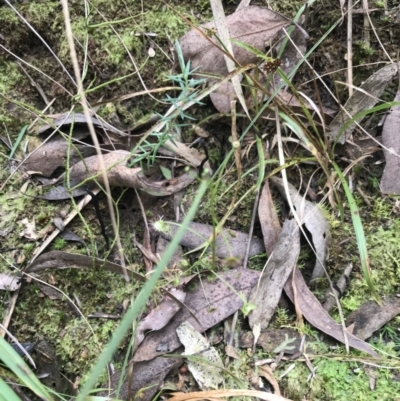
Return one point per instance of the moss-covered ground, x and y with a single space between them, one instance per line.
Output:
126 48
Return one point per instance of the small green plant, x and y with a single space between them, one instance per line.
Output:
59 244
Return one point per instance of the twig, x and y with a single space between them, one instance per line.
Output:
350 46
84 103
367 27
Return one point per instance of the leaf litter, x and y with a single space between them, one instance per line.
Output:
169 321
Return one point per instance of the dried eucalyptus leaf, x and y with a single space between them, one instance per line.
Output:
390 184
362 100
229 243
317 316
266 294
159 316
253 25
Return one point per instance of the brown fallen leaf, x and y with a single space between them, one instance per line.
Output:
314 220
53 154
318 317
390 184
89 171
229 243
147 378
160 315
266 294
253 25
211 301
65 260
370 316
362 100
269 220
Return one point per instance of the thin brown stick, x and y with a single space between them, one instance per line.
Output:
84 103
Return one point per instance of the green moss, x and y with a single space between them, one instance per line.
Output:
336 380
383 237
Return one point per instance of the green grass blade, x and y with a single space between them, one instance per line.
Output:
7 393
17 365
358 229
141 300
19 140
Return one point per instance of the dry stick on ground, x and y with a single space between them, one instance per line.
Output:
366 28
146 235
350 46
84 103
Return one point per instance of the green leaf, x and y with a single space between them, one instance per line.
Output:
166 172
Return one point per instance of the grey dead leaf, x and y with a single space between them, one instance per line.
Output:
76 118
211 301
69 235
9 282
190 155
203 370
65 260
317 316
159 316
390 183
253 25
361 100
269 220
266 294
229 243
53 154
370 316
314 220
148 377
